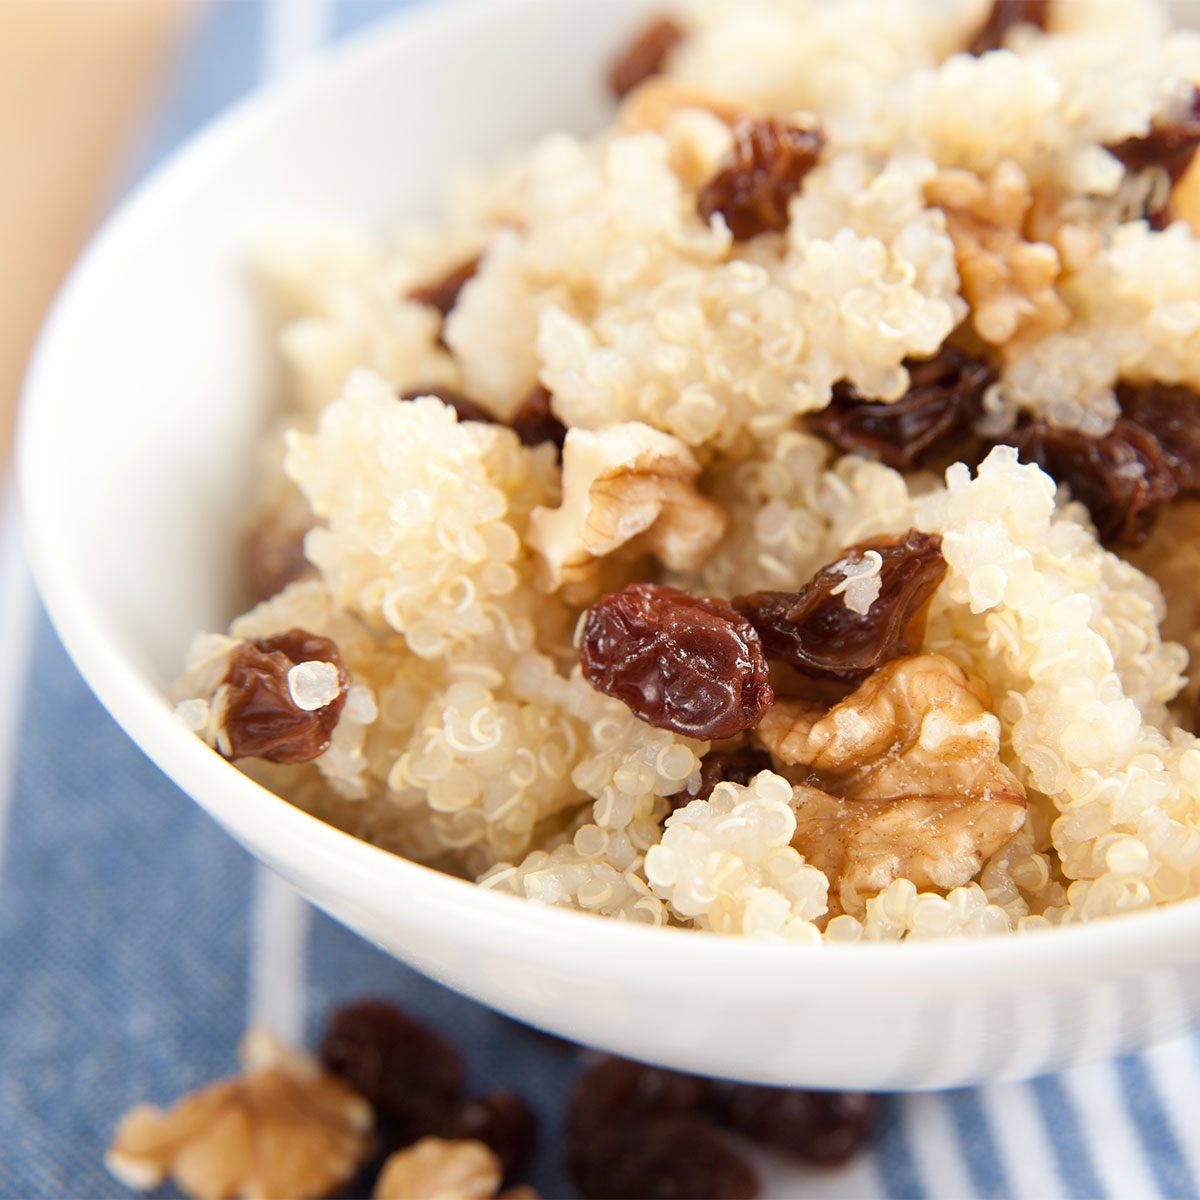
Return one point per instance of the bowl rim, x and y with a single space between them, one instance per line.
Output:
1117 945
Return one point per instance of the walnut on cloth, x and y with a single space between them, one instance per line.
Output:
285 1127
1006 279
435 1169
628 487
906 780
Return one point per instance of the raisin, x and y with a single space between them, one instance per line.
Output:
611 1089
501 1120
676 1156
442 294
409 1075
818 633
935 415
273 555
764 170
719 766
1172 415
467 410
637 1131
644 56
1169 146
534 421
1123 478
823 1128
261 718
680 662
1003 16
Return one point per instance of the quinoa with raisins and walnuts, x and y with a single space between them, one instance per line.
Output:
770 515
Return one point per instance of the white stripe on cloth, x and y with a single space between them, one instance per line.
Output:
1174 1069
936 1147
1022 1140
292 31
1109 1134
16 647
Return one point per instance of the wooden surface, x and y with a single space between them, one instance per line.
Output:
77 78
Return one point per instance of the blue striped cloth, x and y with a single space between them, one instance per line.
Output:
137 940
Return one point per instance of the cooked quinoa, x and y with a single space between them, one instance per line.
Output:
850 291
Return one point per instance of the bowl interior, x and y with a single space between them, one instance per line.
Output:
149 389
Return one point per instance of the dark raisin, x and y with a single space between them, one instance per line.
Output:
409 1075
676 1156
680 662
261 719
644 56
718 766
1003 16
764 170
636 1131
501 1120
272 555
1172 415
817 633
824 1128
467 410
442 294
1123 478
933 418
534 421
611 1089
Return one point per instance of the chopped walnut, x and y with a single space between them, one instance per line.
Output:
433 1169
644 56
906 780
1007 280
652 104
283 1128
626 487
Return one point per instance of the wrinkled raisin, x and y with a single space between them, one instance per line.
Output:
1123 478
765 168
501 1120
442 294
409 1075
824 1128
272 555
680 662
719 766
636 1131
1003 16
934 417
534 421
644 56
677 1156
818 633
467 410
1169 145
261 718
1172 415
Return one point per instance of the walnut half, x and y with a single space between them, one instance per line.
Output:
435 1169
628 487
906 779
283 1128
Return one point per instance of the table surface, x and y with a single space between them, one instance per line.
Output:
137 940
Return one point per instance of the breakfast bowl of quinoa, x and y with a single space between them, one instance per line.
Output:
682 525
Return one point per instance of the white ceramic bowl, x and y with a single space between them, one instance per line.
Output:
142 407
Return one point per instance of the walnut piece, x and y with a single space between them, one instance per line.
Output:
652 104
433 1169
283 1128
626 487
1007 280
906 780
